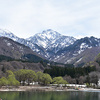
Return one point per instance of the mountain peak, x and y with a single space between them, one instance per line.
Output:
4 32
49 30
50 34
51 40
8 34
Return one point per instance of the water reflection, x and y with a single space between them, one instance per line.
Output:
50 95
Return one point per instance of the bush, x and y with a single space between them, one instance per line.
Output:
59 80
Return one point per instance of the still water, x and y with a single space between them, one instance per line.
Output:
50 95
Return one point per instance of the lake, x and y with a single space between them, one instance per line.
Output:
75 95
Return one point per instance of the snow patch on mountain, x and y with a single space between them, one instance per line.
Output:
9 44
79 60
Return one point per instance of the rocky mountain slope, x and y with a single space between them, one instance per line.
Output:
16 50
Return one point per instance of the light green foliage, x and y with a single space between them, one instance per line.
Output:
11 78
9 72
31 76
87 84
39 76
3 81
21 75
59 80
46 79
12 81
43 78
26 75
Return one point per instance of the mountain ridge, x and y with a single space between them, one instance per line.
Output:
59 48
52 43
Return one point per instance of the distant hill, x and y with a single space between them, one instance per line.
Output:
16 65
15 50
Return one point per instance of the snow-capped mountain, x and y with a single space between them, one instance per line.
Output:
45 38
59 48
47 43
51 41
82 50
8 34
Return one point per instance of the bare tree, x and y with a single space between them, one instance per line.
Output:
82 79
69 79
94 77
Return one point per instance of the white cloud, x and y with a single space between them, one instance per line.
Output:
70 17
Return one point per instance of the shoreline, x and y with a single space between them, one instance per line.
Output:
45 88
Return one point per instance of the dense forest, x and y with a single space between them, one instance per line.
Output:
78 75
74 72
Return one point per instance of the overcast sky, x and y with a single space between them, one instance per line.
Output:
24 18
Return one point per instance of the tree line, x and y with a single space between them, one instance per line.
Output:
74 75
54 75
25 76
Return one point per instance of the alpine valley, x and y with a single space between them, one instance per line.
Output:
53 46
